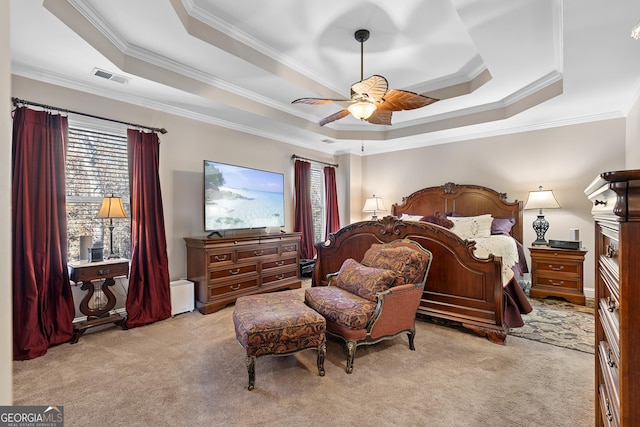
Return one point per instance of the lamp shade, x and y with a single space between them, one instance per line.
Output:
373 204
362 109
112 207
541 199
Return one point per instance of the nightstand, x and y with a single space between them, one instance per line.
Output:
99 301
558 273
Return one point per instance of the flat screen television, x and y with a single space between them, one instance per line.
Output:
237 197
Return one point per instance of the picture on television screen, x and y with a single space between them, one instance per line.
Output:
237 197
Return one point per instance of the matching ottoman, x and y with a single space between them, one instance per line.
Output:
275 324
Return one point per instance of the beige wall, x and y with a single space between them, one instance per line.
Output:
564 159
6 343
632 160
351 211
182 150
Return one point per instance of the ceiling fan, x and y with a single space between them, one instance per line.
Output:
371 99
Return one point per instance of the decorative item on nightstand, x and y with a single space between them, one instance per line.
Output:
541 199
111 208
374 204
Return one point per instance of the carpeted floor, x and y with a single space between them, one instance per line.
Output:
190 370
560 323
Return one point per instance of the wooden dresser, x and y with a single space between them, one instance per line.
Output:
616 211
223 269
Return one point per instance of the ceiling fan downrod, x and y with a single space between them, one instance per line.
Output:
361 36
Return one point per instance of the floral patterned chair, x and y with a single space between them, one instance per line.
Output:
375 299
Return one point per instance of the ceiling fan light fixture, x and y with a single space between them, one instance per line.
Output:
362 109
635 32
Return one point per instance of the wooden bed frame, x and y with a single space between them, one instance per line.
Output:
460 287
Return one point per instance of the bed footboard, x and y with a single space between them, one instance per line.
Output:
459 288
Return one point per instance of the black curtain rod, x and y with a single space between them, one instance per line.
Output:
17 101
311 160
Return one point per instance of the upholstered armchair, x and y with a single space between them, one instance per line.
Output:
374 299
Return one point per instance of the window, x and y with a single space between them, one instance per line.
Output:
97 166
318 204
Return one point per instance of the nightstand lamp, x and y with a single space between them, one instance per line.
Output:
111 208
373 204
541 199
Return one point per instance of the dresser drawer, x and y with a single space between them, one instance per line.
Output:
235 286
289 247
89 272
232 270
610 322
280 275
557 282
557 266
610 367
220 257
279 263
611 383
608 275
606 411
257 251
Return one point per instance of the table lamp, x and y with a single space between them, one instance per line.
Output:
373 204
541 199
112 207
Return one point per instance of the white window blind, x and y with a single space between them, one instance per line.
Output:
318 203
96 166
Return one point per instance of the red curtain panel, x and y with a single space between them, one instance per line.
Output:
148 297
331 197
43 307
303 215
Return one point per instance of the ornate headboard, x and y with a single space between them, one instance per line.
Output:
466 200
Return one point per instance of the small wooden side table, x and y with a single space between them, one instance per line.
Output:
557 272
99 301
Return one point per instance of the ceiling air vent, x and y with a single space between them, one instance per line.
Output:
110 76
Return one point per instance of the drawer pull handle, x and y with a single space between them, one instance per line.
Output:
279 263
280 276
551 267
610 361
606 404
257 253
610 252
560 283
289 248
236 271
221 257
611 305
234 288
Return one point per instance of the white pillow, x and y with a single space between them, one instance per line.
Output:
471 227
407 217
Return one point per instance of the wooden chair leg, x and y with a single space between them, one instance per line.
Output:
412 336
322 351
251 368
351 354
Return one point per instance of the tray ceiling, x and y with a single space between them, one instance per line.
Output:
496 66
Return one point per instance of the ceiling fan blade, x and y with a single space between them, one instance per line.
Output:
375 87
398 100
318 101
336 116
380 117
